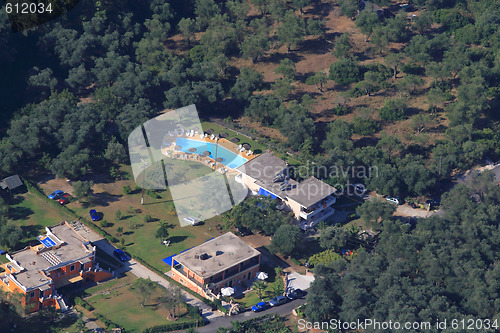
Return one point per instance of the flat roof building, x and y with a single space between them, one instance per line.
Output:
225 261
63 257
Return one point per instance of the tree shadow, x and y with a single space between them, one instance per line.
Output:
20 213
16 200
128 233
276 57
103 199
177 239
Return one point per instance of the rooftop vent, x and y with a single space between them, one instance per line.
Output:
218 253
196 256
204 256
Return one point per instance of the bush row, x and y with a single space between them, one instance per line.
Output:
79 301
175 326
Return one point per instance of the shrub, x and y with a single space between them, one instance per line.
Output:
363 126
341 110
126 189
393 109
119 230
412 68
147 218
118 214
345 71
104 223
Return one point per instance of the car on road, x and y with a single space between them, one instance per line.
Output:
279 300
393 200
94 215
56 195
261 306
191 220
64 199
295 294
120 255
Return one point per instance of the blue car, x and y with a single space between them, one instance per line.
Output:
94 215
56 195
120 255
261 306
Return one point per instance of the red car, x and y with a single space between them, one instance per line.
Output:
64 199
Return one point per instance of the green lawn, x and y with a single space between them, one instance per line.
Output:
33 214
139 236
123 307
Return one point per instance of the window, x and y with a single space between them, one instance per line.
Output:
32 294
181 280
173 274
71 268
249 275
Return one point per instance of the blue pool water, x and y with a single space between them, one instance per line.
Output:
48 242
229 158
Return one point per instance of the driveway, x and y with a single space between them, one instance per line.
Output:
281 310
299 281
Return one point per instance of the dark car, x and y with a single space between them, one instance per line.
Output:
64 199
295 294
120 255
279 300
261 306
56 195
244 231
94 215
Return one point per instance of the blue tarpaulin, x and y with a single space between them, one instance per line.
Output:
168 260
266 193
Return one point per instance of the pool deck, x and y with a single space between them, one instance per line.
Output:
232 147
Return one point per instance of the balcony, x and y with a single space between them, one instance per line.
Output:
179 268
322 215
308 213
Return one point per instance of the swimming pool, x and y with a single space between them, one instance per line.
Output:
47 242
229 159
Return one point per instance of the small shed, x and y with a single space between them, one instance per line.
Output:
12 184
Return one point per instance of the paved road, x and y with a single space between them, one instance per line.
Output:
226 321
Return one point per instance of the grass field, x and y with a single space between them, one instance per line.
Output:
118 303
33 214
139 236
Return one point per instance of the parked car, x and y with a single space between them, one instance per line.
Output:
94 215
56 195
244 231
295 294
192 220
261 306
279 300
120 255
393 200
64 199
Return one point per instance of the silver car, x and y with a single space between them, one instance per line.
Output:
279 300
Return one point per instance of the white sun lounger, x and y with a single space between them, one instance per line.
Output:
239 147
202 136
242 149
192 132
182 131
248 152
170 133
212 137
